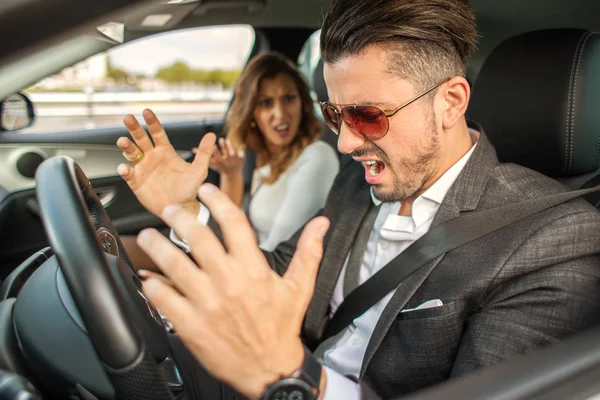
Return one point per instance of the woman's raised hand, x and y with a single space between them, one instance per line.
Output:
227 160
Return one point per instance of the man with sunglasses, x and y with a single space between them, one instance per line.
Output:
397 97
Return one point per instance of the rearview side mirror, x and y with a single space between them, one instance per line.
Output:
16 112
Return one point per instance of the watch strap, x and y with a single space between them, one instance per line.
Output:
311 370
307 379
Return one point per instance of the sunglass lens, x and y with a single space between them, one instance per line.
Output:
367 121
331 117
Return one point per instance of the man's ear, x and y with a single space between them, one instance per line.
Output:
456 94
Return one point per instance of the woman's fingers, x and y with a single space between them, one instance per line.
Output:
223 147
224 155
215 159
230 149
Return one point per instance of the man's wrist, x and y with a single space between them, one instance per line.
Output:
283 364
304 374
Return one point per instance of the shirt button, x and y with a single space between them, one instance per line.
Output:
383 246
355 342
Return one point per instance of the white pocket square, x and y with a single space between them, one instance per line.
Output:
427 304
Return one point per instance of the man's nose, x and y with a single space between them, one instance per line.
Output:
348 141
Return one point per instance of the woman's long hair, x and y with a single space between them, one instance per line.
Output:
240 114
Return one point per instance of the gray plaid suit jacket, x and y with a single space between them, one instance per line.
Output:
528 285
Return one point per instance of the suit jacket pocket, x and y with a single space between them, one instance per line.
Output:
418 349
429 312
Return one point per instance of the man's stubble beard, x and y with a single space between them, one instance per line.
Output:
416 170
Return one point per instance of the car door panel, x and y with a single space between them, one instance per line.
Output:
21 231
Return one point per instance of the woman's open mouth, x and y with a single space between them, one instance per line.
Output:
282 130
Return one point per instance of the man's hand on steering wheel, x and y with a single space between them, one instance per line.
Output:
160 176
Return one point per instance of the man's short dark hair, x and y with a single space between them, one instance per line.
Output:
427 40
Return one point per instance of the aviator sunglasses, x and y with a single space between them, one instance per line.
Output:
370 122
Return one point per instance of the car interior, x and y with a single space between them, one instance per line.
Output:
535 91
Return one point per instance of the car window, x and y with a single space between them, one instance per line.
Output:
309 56
307 62
186 75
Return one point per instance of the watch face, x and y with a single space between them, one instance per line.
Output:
290 389
291 394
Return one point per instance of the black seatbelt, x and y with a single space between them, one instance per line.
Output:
437 241
248 173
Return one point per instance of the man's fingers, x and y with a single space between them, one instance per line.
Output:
178 310
204 153
237 232
145 274
173 262
125 144
302 271
126 172
159 136
138 133
130 150
205 247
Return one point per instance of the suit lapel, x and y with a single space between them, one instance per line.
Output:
465 193
346 228
463 196
403 294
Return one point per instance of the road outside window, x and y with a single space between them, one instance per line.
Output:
183 76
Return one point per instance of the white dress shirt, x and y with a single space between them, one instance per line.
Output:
391 235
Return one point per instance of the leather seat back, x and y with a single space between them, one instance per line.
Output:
538 98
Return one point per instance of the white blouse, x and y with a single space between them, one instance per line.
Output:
279 209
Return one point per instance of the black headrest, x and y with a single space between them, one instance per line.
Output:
319 82
538 99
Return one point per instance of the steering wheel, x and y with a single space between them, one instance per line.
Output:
126 332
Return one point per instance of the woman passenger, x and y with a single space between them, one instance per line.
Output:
272 114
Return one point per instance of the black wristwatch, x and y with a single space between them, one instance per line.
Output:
301 385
